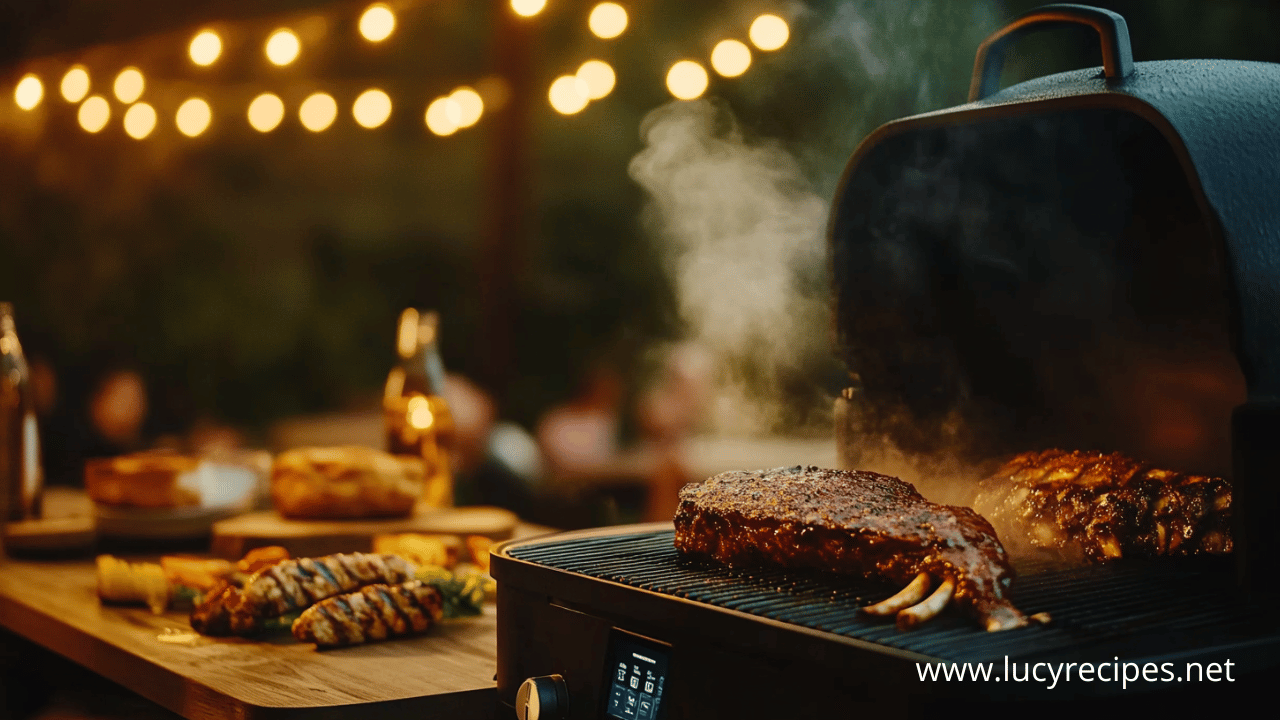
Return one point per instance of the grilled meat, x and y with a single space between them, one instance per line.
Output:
1107 506
852 522
213 615
375 612
292 585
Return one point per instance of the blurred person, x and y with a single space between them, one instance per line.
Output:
117 410
473 419
587 451
671 410
580 440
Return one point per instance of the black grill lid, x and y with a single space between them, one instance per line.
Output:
1218 117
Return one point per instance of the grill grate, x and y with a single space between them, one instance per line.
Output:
1169 605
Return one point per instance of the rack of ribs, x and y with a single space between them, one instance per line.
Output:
853 522
1107 506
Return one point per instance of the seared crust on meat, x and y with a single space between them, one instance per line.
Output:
1108 505
374 612
852 522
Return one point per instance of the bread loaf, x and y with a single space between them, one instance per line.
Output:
345 482
145 480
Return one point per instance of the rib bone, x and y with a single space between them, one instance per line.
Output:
908 596
932 605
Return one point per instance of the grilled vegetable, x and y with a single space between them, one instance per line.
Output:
126 582
464 590
375 612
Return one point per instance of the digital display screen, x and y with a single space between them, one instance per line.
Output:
636 676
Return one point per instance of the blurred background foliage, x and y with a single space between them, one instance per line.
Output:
251 277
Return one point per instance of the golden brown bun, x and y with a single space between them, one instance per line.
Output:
147 480
345 482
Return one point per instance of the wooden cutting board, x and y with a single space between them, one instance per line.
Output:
233 537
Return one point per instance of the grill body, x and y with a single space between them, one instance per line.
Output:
765 642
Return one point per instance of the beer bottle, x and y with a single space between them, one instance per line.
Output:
417 418
21 474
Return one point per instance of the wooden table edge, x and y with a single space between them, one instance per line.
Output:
197 701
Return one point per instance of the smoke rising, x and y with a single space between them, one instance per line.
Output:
741 220
740 228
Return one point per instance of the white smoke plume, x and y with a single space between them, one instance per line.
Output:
742 220
740 226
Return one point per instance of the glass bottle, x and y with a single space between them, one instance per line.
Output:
21 475
417 417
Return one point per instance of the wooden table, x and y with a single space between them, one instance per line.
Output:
447 673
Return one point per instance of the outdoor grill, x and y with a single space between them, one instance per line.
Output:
1008 274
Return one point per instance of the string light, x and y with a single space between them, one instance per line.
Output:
377 23
443 115
527 8
598 76
769 32
283 47
94 113
569 94
193 117
129 85
265 112
470 106
730 58
75 84
687 80
29 92
607 20
372 108
318 112
205 48
139 120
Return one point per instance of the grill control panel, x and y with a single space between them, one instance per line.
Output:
636 676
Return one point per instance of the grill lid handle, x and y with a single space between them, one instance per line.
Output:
1117 54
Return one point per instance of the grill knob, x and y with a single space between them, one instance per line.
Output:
542 698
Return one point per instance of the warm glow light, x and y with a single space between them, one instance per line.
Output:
28 92
599 78
443 115
75 84
569 94
731 58
527 8
318 112
419 412
193 117
205 47
283 47
265 112
94 113
607 20
129 85
377 23
687 80
139 120
372 108
769 32
470 106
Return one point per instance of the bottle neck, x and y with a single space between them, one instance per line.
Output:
418 344
7 326
424 371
